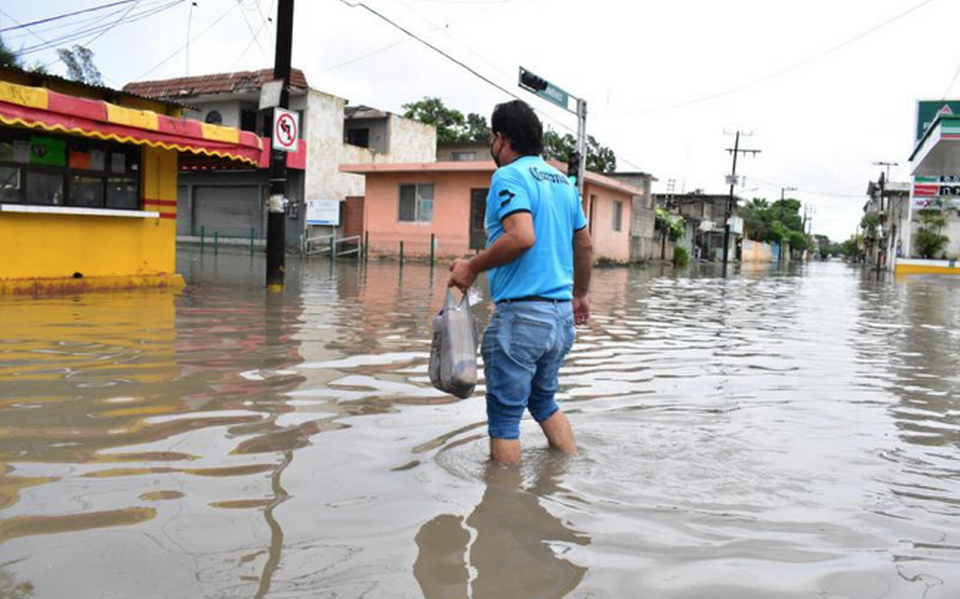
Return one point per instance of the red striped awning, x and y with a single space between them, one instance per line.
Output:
40 108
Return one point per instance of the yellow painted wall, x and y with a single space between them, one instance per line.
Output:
54 246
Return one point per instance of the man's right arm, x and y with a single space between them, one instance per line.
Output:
582 270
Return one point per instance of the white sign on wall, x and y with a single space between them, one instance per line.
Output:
323 213
286 130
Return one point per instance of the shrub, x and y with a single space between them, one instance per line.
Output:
681 257
929 243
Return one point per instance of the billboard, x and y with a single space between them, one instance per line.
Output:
927 111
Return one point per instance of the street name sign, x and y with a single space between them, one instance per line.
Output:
544 89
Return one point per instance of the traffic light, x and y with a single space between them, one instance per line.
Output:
573 166
531 81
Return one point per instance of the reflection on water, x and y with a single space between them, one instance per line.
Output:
510 541
781 433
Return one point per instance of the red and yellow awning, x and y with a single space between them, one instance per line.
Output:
41 108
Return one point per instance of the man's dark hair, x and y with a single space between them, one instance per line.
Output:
520 125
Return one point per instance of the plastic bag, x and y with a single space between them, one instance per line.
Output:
453 353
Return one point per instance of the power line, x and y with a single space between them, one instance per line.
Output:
250 27
952 81
99 28
789 68
63 16
392 45
45 42
181 48
456 61
253 39
459 63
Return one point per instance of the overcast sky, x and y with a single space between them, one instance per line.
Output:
664 80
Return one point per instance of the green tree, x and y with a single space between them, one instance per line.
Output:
929 240
851 249
80 65
756 219
870 223
477 128
453 126
798 241
450 122
600 159
8 57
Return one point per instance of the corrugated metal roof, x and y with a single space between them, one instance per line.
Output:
102 89
219 83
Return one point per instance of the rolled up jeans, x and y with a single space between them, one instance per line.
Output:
523 348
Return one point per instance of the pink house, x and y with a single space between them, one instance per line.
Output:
445 202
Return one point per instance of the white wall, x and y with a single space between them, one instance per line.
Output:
410 141
228 109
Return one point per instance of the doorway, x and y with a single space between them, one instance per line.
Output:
478 215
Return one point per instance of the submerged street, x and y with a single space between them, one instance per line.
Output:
778 433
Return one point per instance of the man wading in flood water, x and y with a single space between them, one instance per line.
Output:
539 256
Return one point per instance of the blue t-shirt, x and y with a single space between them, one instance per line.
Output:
545 270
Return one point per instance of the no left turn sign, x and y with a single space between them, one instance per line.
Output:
286 130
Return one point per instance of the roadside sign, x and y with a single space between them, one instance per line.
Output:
286 130
544 89
927 111
323 212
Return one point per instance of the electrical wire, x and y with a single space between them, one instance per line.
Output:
452 59
784 70
459 63
97 29
952 81
255 34
170 57
64 15
45 42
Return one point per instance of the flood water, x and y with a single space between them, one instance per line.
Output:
775 434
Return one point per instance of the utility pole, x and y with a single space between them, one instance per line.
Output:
887 165
276 204
581 142
783 192
882 239
736 151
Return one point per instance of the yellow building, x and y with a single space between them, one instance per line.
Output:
88 183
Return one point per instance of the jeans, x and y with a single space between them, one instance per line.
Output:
522 349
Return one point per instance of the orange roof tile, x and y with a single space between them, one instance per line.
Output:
220 83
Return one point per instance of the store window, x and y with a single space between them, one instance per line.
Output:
61 171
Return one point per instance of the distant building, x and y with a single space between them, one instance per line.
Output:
890 201
644 239
463 151
445 202
705 218
935 165
233 203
